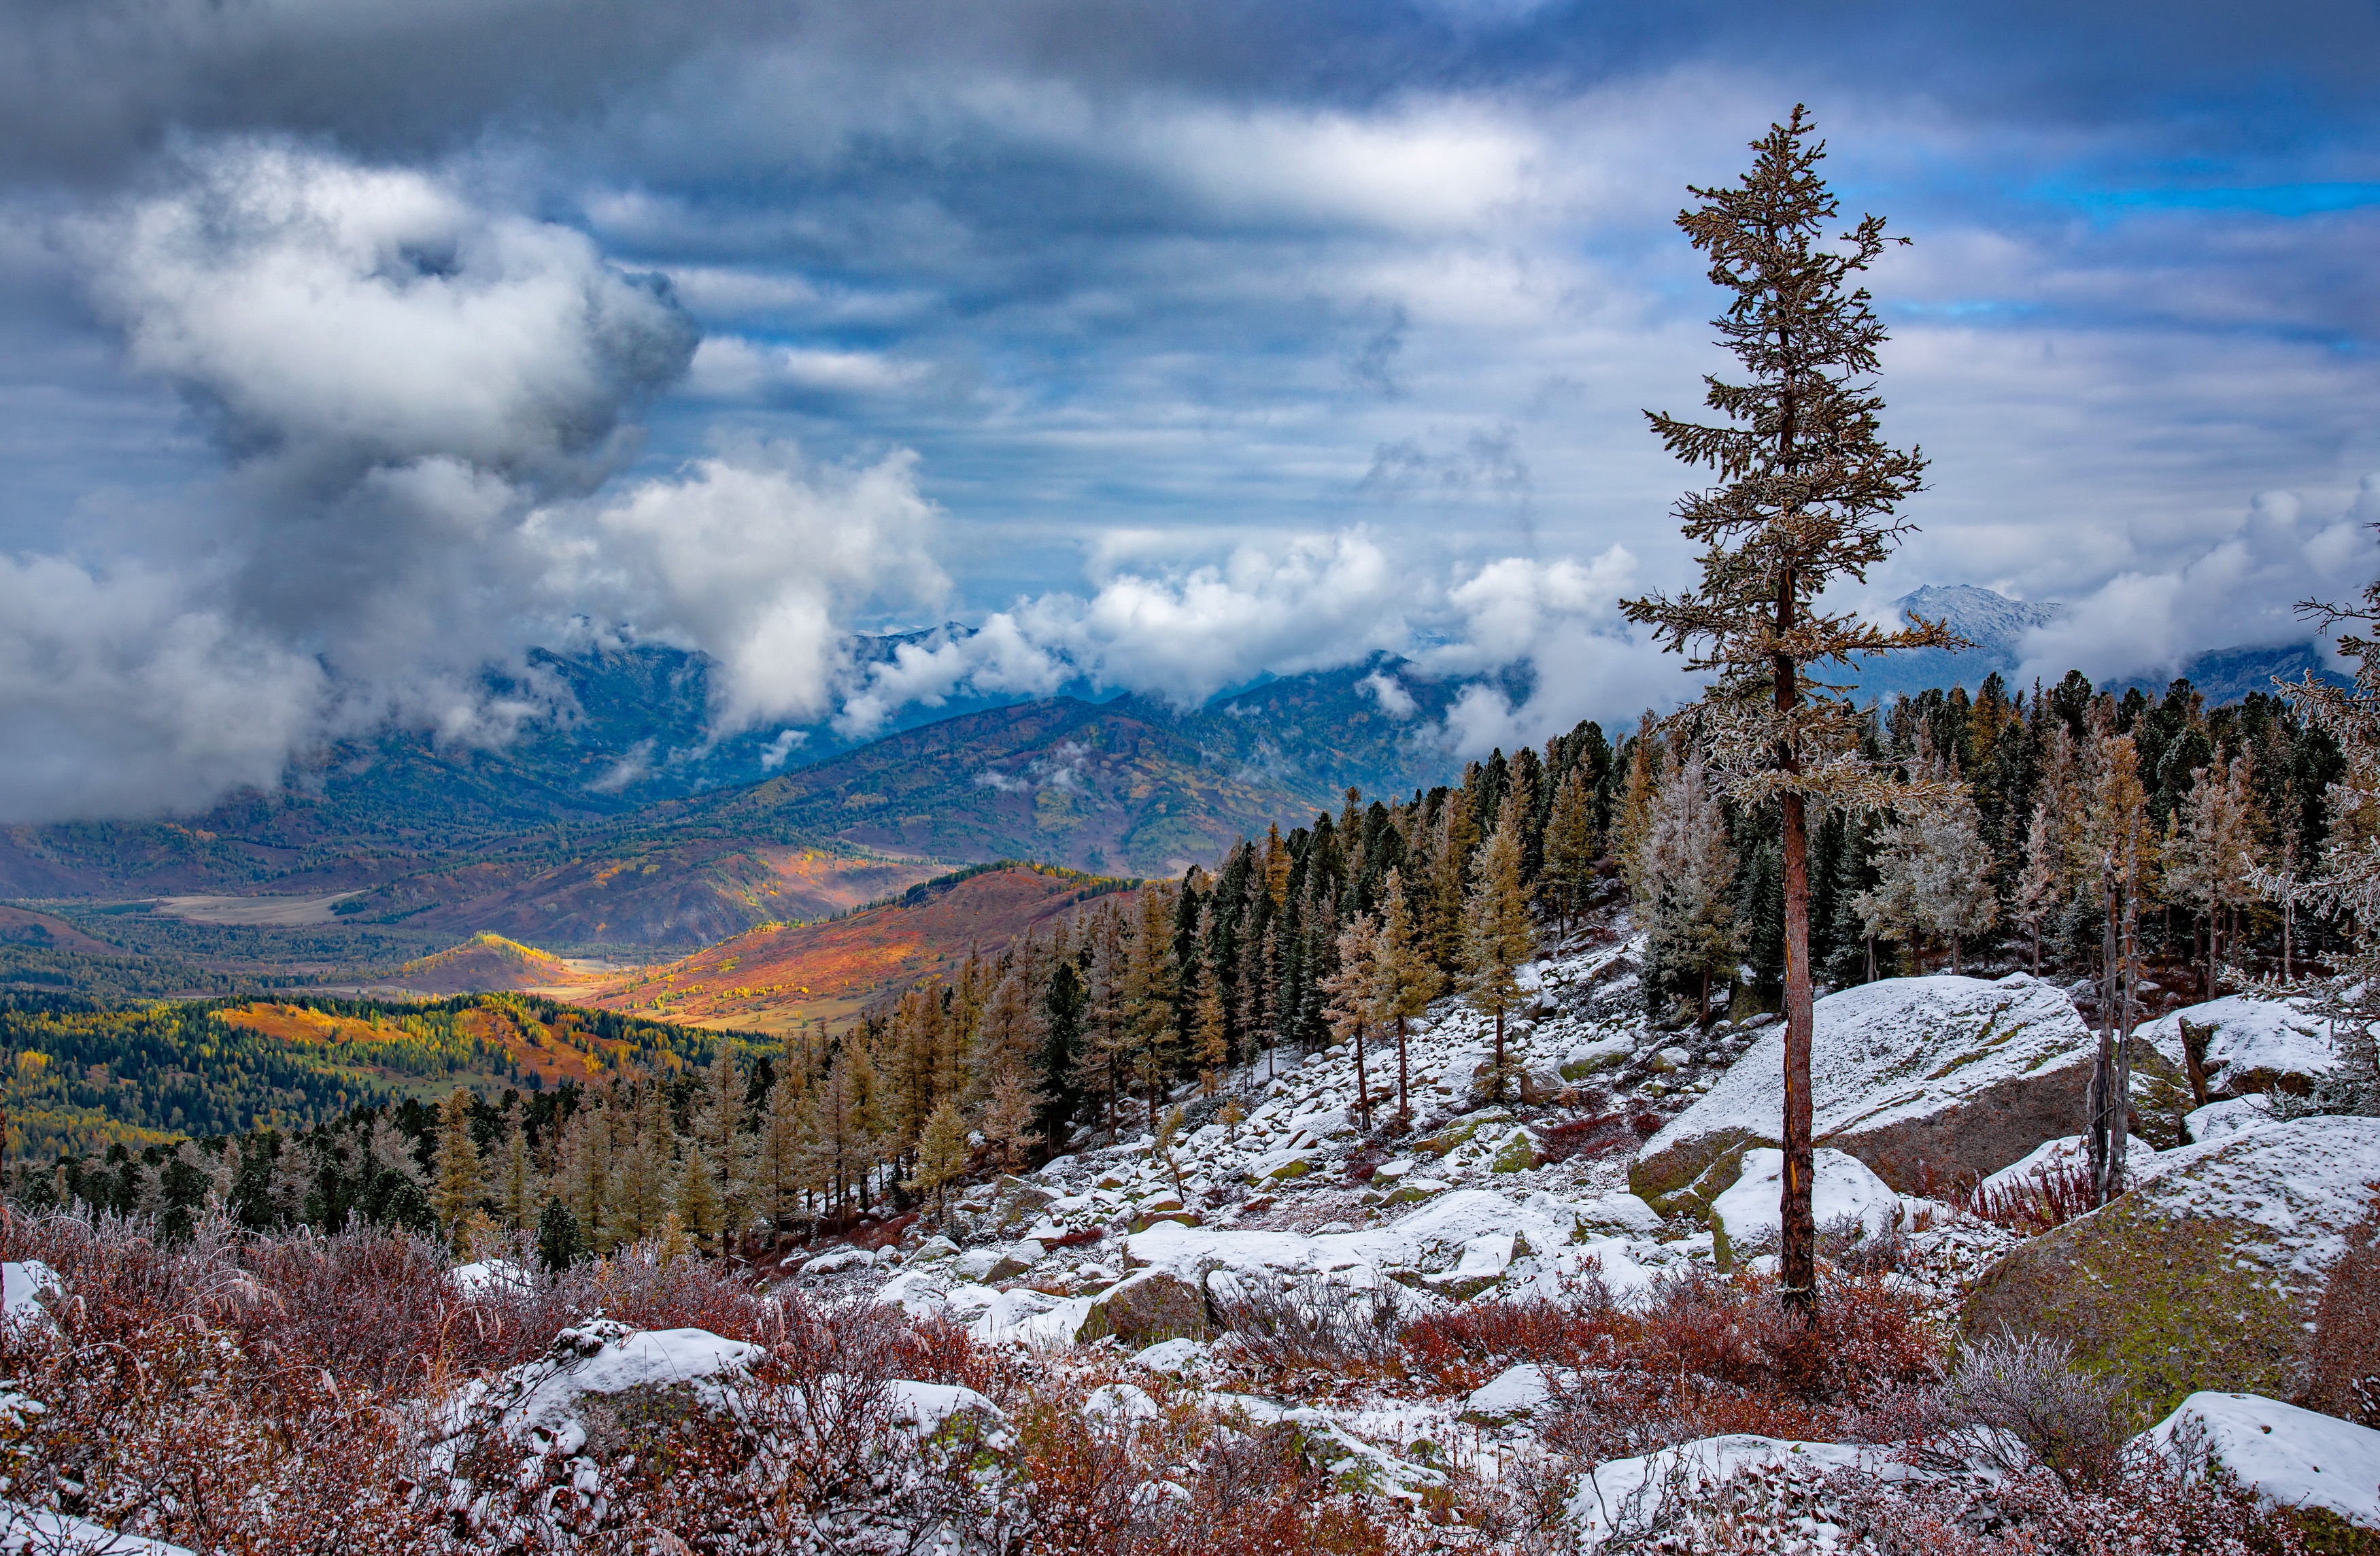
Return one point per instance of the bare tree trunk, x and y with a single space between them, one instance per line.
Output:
1496 1080
1362 1091
1404 1106
2104 1104
1798 1264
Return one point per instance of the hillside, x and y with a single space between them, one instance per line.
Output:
485 963
778 977
83 1078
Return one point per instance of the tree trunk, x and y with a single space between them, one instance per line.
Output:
1405 1108
1362 1091
1797 1266
1496 1078
2104 1102
1956 970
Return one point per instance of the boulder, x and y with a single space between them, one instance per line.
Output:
1958 1075
2207 1273
2246 1044
2294 1458
1747 1218
1145 1307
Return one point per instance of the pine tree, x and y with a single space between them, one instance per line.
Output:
941 1152
1807 501
1570 844
457 1181
1688 910
1496 939
517 1187
1962 903
1408 979
699 1208
561 1241
1211 1031
2210 852
1356 1001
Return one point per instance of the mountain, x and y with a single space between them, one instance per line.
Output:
485 964
1996 625
778 977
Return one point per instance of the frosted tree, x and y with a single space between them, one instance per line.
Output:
1409 980
1570 842
2115 858
1934 876
1496 935
1807 498
2210 852
942 1153
1357 1003
1688 912
458 1181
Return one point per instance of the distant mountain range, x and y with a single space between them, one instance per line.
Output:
1996 625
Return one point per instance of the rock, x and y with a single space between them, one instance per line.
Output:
1281 1167
1484 1260
1173 1358
1517 1154
551 1404
2206 1274
1619 1491
1165 1199
2293 1457
2221 1121
1119 1404
1412 1191
934 1249
1145 1307
1959 1073
1514 1392
1619 1212
999 1261
1747 1216
27 1292
2249 1044
1541 1084
838 1259
1600 1054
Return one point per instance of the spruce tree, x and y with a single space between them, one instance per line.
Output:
699 1206
456 1180
1570 842
1495 937
561 1242
1806 500
1688 911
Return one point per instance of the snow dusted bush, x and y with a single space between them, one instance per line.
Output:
2019 1403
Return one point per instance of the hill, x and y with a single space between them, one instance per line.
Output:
778 977
83 1078
483 963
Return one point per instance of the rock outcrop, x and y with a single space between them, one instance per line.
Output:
2205 1275
1955 1075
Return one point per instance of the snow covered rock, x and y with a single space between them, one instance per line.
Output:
545 1403
2221 1121
2249 1044
1146 1307
839 1260
2294 1457
1511 1393
1623 1495
1963 1073
2204 1275
26 1291
27 1531
1748 1218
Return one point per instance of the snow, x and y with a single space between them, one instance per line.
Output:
27 1531
1516 1390
2045 1157
471 1279
1175 1356
839 1259
1889 1052
923 1407
2221 1121
25 1288
1119 1404
2252 1035
2288 1455
2304 1180
1625 1212
1841 1188
1625 1489
538 1401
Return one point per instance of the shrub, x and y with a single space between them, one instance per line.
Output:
2021 1402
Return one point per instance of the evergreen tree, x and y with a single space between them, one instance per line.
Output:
517 1187
1356 1001
2210 852
561 1242
1496 939
941 1153
699 1208
1570 844
1688 910
1807 500
458 1181
1408 979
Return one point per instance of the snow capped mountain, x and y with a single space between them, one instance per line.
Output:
1985 617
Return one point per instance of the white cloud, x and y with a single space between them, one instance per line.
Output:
2241 589
729 367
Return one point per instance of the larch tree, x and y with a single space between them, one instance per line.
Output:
1688 911
2210 852
942 1153
1210 1028
1496 935
2117 857
1409 980
1570 842
457 1179
699 1206
1806 499
516 1187
777 1154
1356 1000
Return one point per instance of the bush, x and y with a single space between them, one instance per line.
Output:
2021 1403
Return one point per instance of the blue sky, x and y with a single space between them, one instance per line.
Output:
348 349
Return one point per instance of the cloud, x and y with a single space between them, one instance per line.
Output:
2241 590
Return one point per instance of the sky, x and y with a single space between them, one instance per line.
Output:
349 351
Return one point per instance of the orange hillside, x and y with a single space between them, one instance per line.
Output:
776 976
